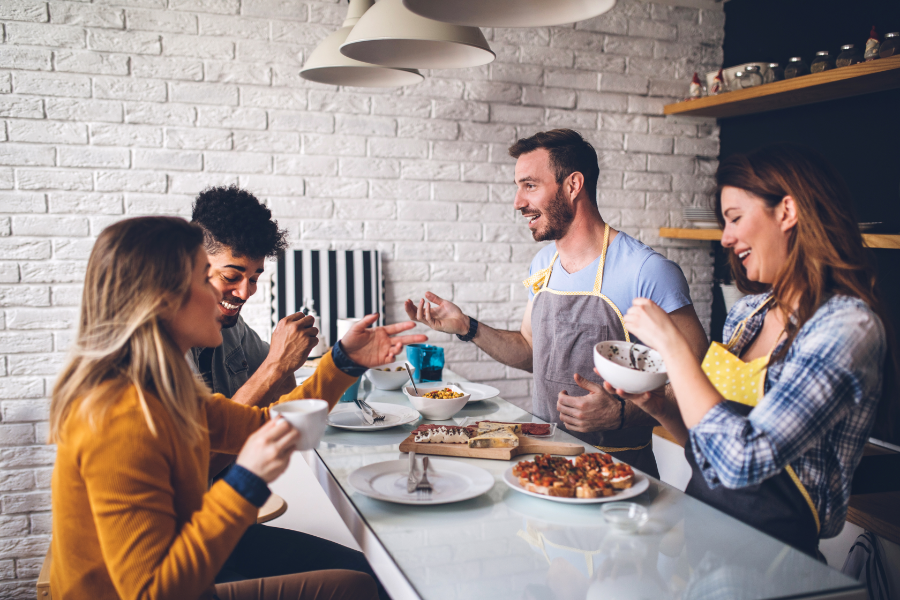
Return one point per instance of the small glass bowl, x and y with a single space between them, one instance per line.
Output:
626 517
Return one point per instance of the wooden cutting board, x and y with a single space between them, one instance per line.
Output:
527 445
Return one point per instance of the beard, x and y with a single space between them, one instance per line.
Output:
558 216
229 321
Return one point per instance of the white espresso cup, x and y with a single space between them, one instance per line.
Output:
306 416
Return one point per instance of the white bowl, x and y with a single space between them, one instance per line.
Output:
307 416
389 380
613 364
435 409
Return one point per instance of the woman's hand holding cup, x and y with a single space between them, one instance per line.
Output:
267 452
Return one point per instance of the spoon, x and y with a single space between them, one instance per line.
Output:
631 356
409 373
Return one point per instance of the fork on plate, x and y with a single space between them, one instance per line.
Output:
376 416
424 487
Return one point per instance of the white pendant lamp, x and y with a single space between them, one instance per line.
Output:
326 64
509 13
391 36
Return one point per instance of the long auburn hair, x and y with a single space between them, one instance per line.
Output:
825 249
138 274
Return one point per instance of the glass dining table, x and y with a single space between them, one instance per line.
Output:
506 544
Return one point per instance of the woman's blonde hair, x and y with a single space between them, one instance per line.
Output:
139 274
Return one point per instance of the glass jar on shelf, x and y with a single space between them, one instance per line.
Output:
752 77
850 55
890 46
736 82
796 67
822 62
774 72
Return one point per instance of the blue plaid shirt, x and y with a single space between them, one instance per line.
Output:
819 406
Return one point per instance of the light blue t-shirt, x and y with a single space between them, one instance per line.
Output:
633 270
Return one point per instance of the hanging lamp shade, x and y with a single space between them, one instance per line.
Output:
392 36
326 64
509 13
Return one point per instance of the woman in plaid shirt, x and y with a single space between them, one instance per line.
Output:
776 419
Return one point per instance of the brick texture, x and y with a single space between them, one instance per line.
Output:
117 108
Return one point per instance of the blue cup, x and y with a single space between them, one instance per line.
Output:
351 394
428 361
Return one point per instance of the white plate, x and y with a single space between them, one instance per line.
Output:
478 391
348 416
453 482
641 483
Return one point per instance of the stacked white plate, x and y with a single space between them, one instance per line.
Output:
701 218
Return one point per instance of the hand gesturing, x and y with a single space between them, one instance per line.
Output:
445 316
371 347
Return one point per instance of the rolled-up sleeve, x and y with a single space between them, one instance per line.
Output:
833 366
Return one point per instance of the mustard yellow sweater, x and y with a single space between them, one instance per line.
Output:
132 515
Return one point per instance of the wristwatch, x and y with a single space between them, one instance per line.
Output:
473 329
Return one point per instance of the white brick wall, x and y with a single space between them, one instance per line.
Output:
116 108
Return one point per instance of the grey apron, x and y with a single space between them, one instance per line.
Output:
565 327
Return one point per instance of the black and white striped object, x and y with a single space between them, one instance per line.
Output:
341 283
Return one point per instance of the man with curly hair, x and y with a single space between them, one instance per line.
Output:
239 234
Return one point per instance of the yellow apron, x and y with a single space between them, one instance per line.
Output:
744 383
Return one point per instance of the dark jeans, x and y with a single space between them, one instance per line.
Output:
266 551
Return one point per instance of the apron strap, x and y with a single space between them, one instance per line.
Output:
598 280
739 330
806 496
537 281
611 449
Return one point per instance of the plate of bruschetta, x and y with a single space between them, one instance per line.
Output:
589 478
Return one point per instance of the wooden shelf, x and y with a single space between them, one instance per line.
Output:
855 80
872 240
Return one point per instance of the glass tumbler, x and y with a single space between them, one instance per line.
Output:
427 360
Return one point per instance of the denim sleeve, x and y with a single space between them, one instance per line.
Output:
345 363
248 485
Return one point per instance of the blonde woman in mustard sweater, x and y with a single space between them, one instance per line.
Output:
132 514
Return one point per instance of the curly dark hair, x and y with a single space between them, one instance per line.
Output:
235 218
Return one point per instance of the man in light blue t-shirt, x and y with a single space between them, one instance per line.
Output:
579 288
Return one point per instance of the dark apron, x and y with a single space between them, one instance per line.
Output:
779 506
776 506
565 327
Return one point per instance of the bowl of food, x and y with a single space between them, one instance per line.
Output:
436 404
390 376
613 360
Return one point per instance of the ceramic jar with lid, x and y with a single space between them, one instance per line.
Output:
822 62
752 77
775 72
890 46
850 55
796 67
